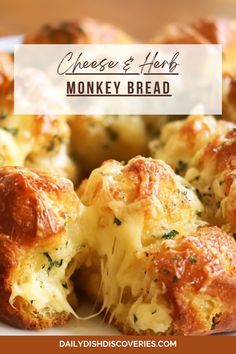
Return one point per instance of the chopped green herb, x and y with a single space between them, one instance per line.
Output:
13 131
135 318
31 301
170 235
117 221
221 182
192 259
153 312
52 263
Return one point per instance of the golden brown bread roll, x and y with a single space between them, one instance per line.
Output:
229 96
202 149
42 141
213 174
95 139
84 31
212 30
39 243
152 267
181 140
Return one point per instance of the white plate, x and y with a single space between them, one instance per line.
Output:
94 326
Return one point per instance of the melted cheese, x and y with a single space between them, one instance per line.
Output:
128 292
44 281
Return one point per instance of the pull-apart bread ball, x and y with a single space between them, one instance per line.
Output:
41 141
153 267
179 141
211 30
229 95
203 150
98 138
84 31
40 246
9 152
213 174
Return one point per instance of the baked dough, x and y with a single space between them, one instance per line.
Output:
213 175
85 31
40 246
98 138
181 140
212 30
33 141
153 267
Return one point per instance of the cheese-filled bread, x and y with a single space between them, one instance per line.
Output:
152 265
202 149
83 32
229 95
40 247
213 174
181 140
9 152
211 30
95 139
42 141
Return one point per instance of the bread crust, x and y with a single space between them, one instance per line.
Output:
211 30
83 32
27 221
202 263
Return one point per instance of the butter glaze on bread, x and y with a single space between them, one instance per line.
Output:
39 240
153 267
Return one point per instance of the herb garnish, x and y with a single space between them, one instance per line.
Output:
170 235
192 259
52 263
13 131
